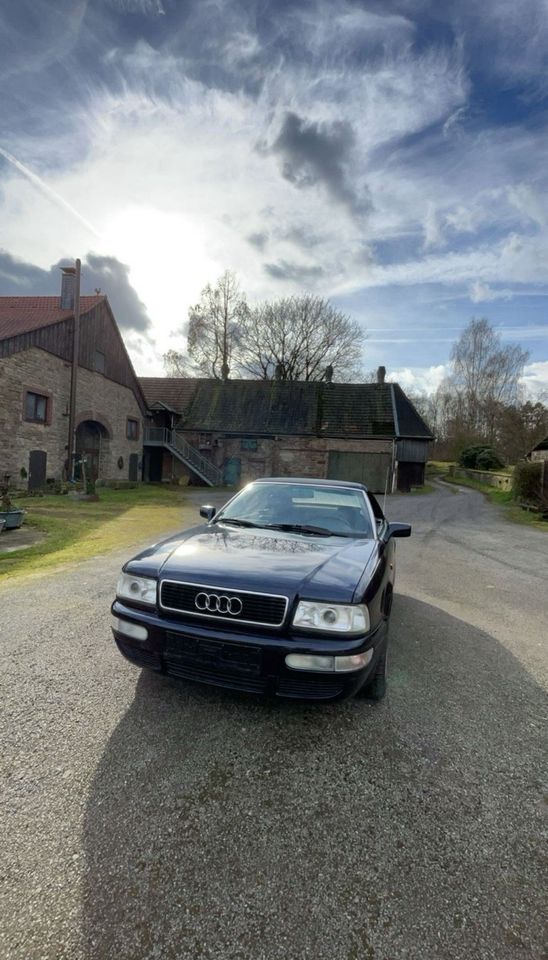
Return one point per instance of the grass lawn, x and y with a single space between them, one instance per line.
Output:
77 529
504 499
437 468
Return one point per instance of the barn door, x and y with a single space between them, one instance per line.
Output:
372 469
232 469
37 469
410 475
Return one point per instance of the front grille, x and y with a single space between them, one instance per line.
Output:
234 665
218 678
316 688
239 658
255 608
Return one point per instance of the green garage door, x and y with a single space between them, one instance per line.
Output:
369 468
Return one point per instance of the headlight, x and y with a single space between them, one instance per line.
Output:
140 589
332 617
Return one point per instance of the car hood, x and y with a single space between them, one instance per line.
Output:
327 568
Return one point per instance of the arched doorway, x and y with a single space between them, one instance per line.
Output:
92 444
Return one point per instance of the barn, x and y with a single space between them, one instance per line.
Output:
230 432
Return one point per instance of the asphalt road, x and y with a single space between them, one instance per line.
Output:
145 818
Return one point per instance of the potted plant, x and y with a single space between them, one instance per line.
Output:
12 515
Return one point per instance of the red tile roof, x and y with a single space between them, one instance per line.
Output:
23 314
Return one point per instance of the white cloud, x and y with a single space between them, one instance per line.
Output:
428 379
535 380
532 204
175 180
480 292
175 185
419 379
433 234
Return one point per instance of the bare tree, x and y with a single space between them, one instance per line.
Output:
519 427
214 326
177 364
426 406
484 375
298 338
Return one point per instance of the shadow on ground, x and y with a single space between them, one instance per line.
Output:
218 826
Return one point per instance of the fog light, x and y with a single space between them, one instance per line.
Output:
129 629
304 661
320 664
355 662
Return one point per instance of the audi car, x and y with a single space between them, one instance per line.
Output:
285 591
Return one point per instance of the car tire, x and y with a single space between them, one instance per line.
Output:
375 688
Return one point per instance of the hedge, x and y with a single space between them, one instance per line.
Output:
527 485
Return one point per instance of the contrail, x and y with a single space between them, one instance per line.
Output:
52 194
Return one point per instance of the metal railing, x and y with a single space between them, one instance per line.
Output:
186 452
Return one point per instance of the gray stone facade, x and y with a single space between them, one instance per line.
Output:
98 399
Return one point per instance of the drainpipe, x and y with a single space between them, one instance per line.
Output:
74 372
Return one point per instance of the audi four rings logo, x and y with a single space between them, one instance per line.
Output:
218 603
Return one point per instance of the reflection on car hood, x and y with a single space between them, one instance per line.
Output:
263 560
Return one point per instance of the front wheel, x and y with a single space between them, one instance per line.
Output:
375 688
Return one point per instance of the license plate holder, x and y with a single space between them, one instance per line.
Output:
215 654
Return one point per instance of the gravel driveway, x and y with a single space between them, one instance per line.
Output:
146 818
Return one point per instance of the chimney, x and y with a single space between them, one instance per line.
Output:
381 374
68 286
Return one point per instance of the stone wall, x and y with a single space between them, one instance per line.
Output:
98 398
502 481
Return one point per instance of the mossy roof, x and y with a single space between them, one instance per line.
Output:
295 408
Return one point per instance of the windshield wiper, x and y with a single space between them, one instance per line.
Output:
237 521
300 528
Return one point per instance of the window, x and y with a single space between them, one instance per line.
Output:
36 407
248 443
204 441
132 429
338 509
99 361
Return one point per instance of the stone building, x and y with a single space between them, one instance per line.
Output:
539 451
36 340
232 431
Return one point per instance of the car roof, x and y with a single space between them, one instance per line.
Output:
312 480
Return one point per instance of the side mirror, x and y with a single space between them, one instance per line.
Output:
207 512
398 530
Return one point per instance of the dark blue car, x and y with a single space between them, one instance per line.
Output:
286 591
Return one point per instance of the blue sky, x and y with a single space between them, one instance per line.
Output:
388 155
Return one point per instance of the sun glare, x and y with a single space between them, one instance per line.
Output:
168 260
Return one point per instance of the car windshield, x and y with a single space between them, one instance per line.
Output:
309 509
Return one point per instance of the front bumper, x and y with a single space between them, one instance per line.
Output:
253 662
